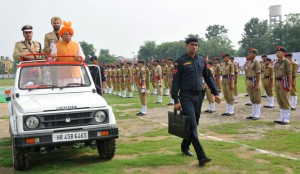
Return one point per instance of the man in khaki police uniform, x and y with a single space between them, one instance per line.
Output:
119 79
209 96
114 79
153 80
227 85
217 70
293 99
170 78
165 77
283 85
109 79
28 46
52 37
128 79
263 65
123 79
268 82
253 72
236 75
141 85
158 78
147 79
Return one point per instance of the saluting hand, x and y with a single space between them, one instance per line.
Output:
177 107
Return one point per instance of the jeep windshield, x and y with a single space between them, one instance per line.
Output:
53 76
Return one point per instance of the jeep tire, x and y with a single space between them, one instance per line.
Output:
20 157
106 148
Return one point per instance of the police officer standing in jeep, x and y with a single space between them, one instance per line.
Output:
187 93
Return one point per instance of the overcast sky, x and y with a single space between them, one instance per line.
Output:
123 25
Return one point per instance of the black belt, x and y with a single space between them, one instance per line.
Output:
250 78
267 77
189 92
164 74
225 77
278 78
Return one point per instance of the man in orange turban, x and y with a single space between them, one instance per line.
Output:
66 47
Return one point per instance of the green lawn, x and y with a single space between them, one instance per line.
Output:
7 82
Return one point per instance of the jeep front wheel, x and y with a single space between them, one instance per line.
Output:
106 148
20 157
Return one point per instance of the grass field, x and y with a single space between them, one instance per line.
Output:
155 151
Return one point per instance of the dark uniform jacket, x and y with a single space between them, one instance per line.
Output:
187 76
96 77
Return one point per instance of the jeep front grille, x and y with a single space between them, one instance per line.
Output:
66 120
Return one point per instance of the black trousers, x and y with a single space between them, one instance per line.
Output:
191 104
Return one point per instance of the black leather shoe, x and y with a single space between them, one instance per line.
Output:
206 111
141 114
138 113
249 118
170 104
187 152
248 104
269 107
283 123
210 111
224 114
228 114
246 95
203 161
158 102
292 109
278 122
255 118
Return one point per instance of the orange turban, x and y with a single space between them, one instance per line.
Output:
66 27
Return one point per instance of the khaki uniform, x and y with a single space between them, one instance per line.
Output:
119 79
263 67
268 77
252 70
136 76
210 97
170 76
50 38
123 74
227 73
128 79
31 47
148 73
217 70
282 69
294 76
141 77
158 77
114 80
165 77
153 80
109 80
236 75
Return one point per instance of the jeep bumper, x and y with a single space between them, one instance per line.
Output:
46 139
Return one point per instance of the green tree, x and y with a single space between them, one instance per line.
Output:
215 30
255 35
88 50
148 50
105 56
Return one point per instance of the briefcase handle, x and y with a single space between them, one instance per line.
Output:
176 112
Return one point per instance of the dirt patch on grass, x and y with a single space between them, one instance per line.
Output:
6 170
127 104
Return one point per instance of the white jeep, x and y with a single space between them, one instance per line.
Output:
56 104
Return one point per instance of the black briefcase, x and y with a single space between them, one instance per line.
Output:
178 124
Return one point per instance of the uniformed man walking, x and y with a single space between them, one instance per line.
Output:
268 82
141 85
52 37
187 83
209 96
252 84
28 46
293 99
283 85
228 85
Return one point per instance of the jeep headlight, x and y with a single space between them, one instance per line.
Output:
100 116
32 122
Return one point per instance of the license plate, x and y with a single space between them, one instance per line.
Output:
70 136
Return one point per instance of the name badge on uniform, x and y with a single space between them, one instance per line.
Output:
187 63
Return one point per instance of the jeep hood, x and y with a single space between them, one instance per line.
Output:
52 102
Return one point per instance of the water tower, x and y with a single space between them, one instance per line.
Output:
275 15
